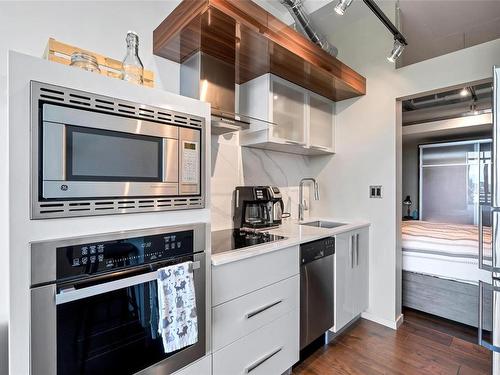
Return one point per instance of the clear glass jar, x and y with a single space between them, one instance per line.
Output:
85 61
132 68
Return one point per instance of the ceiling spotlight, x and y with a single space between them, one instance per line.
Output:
473 109
341 6
397 50
464 92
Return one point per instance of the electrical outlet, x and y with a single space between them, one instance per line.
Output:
375 191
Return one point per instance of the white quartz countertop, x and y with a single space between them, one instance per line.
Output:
295 234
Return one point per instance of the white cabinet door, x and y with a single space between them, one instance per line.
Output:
344 288
201 367
321 122
288 111
361 270
351 276
270 350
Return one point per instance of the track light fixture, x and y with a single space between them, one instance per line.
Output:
464 92
399 39
341 6
397 50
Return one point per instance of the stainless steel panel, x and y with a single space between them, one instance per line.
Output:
103 189
43 253
96 120
495 243
486 319
495 334
170 160
496 139
54 151
43 356
217 79
316 299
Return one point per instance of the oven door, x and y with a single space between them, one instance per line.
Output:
94 155
109 328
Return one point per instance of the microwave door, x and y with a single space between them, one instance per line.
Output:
85 162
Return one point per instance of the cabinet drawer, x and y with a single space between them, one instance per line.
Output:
201 367
271 349
239 317
232 280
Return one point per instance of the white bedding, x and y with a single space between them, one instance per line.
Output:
448 251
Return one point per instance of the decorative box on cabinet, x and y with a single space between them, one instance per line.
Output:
303 122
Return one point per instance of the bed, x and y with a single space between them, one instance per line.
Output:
440 269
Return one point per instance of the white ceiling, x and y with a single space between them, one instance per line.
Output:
432 27
436 27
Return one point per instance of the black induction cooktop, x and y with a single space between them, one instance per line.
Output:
236 239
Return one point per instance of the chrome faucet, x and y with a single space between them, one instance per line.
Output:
302 203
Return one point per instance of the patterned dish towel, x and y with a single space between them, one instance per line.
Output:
178 323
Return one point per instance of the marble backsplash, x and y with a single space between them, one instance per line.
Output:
233 165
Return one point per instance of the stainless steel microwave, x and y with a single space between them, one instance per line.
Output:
94 155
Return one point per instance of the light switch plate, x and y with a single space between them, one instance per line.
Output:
375 191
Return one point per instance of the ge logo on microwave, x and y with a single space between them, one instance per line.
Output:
64 187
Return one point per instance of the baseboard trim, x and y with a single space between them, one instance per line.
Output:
385 322
399 320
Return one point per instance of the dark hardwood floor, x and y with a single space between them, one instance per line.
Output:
421 346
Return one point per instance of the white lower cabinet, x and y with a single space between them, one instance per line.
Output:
351 276
271 350
255 318
201 367
239 317
235 279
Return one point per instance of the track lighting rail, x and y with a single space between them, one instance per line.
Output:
386 21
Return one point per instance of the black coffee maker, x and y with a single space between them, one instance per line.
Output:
253 207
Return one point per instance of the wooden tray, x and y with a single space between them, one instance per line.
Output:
61 53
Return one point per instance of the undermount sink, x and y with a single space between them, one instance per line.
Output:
323 224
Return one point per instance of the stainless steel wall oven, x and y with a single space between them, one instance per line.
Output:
94 303
94 155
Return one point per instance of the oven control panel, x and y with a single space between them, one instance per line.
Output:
92 258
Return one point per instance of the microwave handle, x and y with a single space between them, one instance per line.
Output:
72 294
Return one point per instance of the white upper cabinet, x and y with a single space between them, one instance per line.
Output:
288 111
303 122
321 122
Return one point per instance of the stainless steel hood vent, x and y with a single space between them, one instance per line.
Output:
212 80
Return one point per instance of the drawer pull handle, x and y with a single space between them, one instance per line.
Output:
262 309
259 362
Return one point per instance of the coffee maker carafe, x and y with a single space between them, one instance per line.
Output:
253 207
277 205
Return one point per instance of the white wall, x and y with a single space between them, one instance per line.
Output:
97 26
367 141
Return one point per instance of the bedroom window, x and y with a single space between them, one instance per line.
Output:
454 180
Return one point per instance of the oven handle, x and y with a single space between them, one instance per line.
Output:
72 294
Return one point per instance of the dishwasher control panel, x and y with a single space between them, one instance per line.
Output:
311 251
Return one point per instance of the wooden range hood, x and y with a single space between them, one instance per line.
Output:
241 32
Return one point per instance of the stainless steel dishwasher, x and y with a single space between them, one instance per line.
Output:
316 289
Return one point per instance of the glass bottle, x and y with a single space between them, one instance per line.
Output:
132 68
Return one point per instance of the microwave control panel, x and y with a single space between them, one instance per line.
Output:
100 257
190 162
